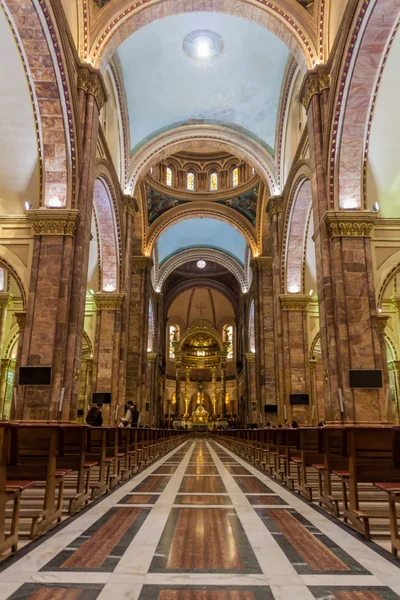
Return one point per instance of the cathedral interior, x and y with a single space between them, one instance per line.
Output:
200 217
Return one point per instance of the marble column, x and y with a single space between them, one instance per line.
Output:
187 390
20 318
7 375
138 330
178 388
214 389
151 387
394 378
223 390
5 303
382 323
346 295
106 353
295 348
92 95
251 388
274 209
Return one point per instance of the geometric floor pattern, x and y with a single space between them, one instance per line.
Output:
201 524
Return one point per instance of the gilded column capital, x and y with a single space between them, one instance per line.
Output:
395 300
109 300
382 322
262 263
314 82
312 363
54 221
274 206
5 300
350 223
91 81
151 357
250 357
294 301
8 364
394 366
21 319
142 262
130 205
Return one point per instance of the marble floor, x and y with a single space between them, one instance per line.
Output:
201 524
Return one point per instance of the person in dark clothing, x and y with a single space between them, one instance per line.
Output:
131 416
295 425
94 416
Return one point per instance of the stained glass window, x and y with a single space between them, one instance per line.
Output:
235 177
190 181
213 182
228 337
172 337
168 176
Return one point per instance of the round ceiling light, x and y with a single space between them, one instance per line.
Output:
203 44
201 264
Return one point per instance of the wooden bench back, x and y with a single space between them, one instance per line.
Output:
370 452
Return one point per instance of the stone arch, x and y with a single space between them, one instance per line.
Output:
293 29
48 82
201 253
229 140
296 228
201 209
105 210
362 67
18 270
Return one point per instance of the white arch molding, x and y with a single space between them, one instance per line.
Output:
226 139
194 254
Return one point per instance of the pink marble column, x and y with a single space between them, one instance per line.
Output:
106 357
348 315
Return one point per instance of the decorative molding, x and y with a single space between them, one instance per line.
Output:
130 205
109 300
394 366
151 357
91 81
262 263
55 221
395 300
101 3
142 262
294 301
275 206
21 319
348 223
314 82
250 357
382 322
6 299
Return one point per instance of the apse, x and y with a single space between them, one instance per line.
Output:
205 233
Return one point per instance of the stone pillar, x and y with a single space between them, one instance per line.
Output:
45 336
274 209
382 323
7 375
92 95
178 388
347 305
223 389
251 386
264 332
214 389
106 356
5 303
295 348
152 387
187 391
138 330
394 378
130 208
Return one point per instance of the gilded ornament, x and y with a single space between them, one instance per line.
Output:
91 81
151 357
5 300
262 263
396 302
109 300
142 262
21 319
350 223
129 205
54 221
314 83
250 357
275 205
382 322
294 301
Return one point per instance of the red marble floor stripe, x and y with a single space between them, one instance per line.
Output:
202 485
202 499
355 595
308 546
93 553
56 594
202 470
139 499
251 484
205 595
204 539
153 484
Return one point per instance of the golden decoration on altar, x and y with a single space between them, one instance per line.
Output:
200 416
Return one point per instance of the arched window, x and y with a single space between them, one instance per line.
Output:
252 335
173 336
168 176
227 336
213 181
2 279
150 335
190 181
235 177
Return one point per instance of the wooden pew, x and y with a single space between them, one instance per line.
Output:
333 448
309 453
97 443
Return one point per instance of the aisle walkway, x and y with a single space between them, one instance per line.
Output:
201 525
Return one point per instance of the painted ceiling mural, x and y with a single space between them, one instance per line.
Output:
158 203
245 204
